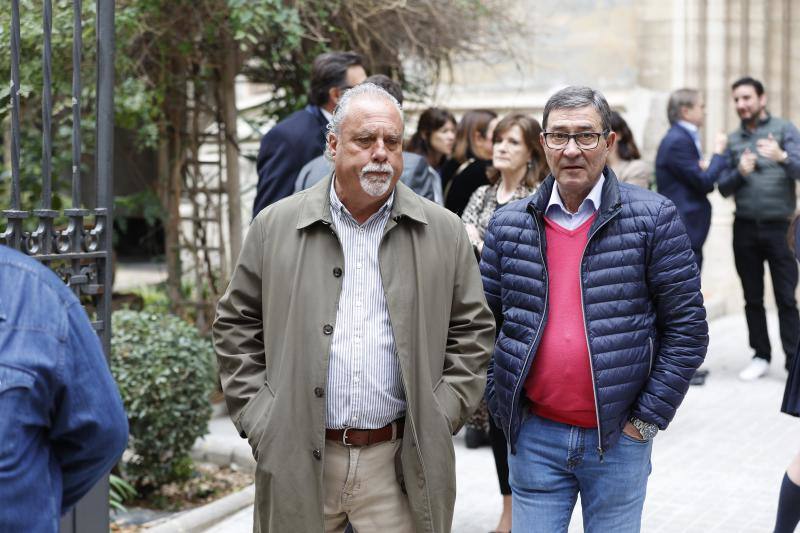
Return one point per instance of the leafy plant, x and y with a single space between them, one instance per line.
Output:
165 373
154 298
119 492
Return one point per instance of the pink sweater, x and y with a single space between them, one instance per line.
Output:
560 381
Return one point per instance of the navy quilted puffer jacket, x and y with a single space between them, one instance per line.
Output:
643 310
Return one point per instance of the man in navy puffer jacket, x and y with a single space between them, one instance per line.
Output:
603 327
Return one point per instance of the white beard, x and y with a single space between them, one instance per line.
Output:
375 179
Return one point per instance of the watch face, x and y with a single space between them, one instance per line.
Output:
647 430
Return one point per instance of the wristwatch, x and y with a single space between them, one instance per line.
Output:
784 157
647 430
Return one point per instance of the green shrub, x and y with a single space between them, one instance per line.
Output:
165 373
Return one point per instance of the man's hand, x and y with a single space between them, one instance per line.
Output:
631 431
720 143
770 149
747 163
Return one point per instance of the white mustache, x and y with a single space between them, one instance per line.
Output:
377 168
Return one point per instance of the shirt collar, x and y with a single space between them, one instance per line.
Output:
691 128
327 114
338 206
592 200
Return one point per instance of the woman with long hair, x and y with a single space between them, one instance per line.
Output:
466 171
624 157
435 137
518 166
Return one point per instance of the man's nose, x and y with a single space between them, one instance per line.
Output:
571 149
379 153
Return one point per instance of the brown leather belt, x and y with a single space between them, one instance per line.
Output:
367 437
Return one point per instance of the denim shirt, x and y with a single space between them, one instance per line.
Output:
62 424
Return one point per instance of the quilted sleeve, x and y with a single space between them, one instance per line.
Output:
490 273
674 282
490 269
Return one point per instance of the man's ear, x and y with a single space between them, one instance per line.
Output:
611 139
334 93
541 140
333 142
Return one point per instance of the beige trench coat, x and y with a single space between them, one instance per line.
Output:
272 345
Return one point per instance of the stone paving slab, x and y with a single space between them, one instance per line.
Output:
716 469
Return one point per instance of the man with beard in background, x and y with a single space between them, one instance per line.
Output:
763 168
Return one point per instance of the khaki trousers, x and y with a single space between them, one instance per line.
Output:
361 487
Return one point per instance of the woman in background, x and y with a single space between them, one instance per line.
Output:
789 499
624 158
435 137
466 171
518 166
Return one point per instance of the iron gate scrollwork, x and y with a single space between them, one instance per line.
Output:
80 250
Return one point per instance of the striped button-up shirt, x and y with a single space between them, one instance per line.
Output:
365 389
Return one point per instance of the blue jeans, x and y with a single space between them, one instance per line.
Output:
555 462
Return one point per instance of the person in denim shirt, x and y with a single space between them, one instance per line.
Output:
62 424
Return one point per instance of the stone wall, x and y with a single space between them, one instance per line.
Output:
636 52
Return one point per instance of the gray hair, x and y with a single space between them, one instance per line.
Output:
678 100
574 97
366 90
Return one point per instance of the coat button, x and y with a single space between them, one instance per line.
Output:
317 454
319 392
327 329
337 272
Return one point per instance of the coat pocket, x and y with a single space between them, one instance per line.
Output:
442 403
254 417
16 391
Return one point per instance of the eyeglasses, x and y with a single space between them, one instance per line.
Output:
585 140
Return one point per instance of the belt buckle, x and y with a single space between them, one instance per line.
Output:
344 436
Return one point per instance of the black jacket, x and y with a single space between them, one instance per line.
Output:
293 142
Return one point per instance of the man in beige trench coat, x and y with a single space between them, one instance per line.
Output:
353 341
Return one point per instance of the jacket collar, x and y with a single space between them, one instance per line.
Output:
316 112
316 206
609 197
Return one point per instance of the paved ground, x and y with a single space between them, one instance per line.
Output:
717 468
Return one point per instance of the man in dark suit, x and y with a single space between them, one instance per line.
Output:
681 174
300 137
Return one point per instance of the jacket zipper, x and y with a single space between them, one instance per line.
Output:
652 354
588 346
515 397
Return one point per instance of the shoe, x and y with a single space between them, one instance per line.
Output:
476 438
757 368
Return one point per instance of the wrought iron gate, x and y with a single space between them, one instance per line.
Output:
80 248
